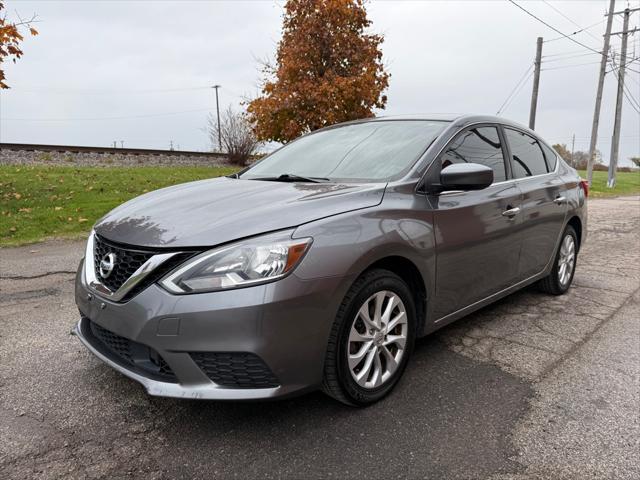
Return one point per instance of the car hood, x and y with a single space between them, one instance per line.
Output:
211 212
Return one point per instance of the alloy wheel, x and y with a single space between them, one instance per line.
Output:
567 260
377 339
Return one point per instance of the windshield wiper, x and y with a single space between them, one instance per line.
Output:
290 177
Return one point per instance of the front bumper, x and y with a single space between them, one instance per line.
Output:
285 323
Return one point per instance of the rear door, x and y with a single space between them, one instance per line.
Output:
544 203
477 243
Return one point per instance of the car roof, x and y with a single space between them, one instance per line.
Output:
460 120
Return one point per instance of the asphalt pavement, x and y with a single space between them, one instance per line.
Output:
533 387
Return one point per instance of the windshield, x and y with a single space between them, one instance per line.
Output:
371 151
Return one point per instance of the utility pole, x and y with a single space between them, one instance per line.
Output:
218 114
573 149
536 84
615 141
596 112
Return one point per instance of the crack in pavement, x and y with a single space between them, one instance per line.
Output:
565 356
40 275
18 297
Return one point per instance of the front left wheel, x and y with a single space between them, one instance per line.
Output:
371 339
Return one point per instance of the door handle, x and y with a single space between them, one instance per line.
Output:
559 200
512 212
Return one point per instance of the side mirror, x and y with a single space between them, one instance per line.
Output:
464 176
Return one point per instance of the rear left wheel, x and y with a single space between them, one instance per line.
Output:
371 339
564 266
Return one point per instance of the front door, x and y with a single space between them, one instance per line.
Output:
476 232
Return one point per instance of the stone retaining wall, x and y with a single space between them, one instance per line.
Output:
109 159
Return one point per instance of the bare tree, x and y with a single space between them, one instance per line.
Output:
237 138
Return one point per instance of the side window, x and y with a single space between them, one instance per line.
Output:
528 159
477 145
551 156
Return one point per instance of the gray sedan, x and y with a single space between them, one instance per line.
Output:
320 265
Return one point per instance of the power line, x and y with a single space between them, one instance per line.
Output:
633 79
517 87
574 33
518 92
568 37
628 62
565 53
574 23
568 57
571 66
68 91
77 119
625 90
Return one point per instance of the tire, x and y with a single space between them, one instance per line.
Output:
557 283
358 307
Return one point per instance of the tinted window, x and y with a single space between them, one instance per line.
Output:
370 151
528 159
551 156
477 145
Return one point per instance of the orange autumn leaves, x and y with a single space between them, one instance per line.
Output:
328 70
10 39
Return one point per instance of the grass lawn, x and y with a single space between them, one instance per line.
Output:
42 202
627 183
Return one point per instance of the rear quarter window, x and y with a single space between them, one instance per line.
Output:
551 156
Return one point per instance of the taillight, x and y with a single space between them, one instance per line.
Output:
585 187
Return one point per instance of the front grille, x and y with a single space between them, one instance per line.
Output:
133 355
235 369
128 260
126 263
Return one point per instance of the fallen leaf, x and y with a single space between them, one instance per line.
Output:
82 220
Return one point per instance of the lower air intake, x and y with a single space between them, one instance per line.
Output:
132 355
235 369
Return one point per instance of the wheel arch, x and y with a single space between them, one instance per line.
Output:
576 223
408 271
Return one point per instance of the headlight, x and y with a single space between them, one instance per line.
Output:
242 264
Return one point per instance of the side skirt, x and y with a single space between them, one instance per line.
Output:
452 317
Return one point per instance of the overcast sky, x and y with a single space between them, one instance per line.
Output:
138 71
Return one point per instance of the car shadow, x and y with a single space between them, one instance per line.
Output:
449 416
